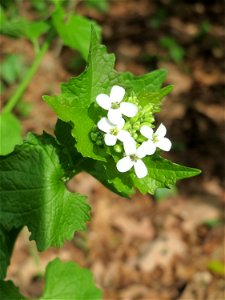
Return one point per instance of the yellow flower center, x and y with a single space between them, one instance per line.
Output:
115 105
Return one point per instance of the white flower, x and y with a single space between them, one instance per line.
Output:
113 104
156 139
113 132
133 158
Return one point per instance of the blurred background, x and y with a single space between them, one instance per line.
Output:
170 246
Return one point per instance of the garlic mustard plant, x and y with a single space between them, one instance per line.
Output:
116 145
115 107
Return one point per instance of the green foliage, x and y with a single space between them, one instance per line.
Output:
105 172
155 97
217 267
41 5
63 280
101 5
8 291
33 193
176 52
211 223
20 27
33 178
69 281
12 68
10 131
75 31
77 100
162 173
79 93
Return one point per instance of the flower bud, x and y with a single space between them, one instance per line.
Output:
99 142
94 136
135 135
136 126
118 148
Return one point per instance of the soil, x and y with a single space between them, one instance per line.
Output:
142 248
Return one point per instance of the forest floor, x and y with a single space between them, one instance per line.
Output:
143 248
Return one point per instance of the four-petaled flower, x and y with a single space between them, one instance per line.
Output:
133 158
156 139
113 132
115 107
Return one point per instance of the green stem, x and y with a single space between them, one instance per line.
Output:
27 79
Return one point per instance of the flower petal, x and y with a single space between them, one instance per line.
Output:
129 146
121 123
164 144
124 164
105 125
110 139
161 131
104 101
146 131
140 169
146 148
151 147
128 109
117 93
123 136
115 116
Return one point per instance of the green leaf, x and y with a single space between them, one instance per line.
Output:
162 173
7 240
33 30
68 281
33 193
154 97
8 291
109 176
10 131
21 27
75 31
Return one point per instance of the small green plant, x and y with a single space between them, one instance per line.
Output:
216 267
106 127
176 51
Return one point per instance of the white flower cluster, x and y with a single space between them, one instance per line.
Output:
113 127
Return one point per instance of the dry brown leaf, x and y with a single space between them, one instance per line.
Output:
195 213
132 228
162 251
182 82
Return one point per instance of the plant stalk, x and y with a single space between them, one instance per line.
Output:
27 79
